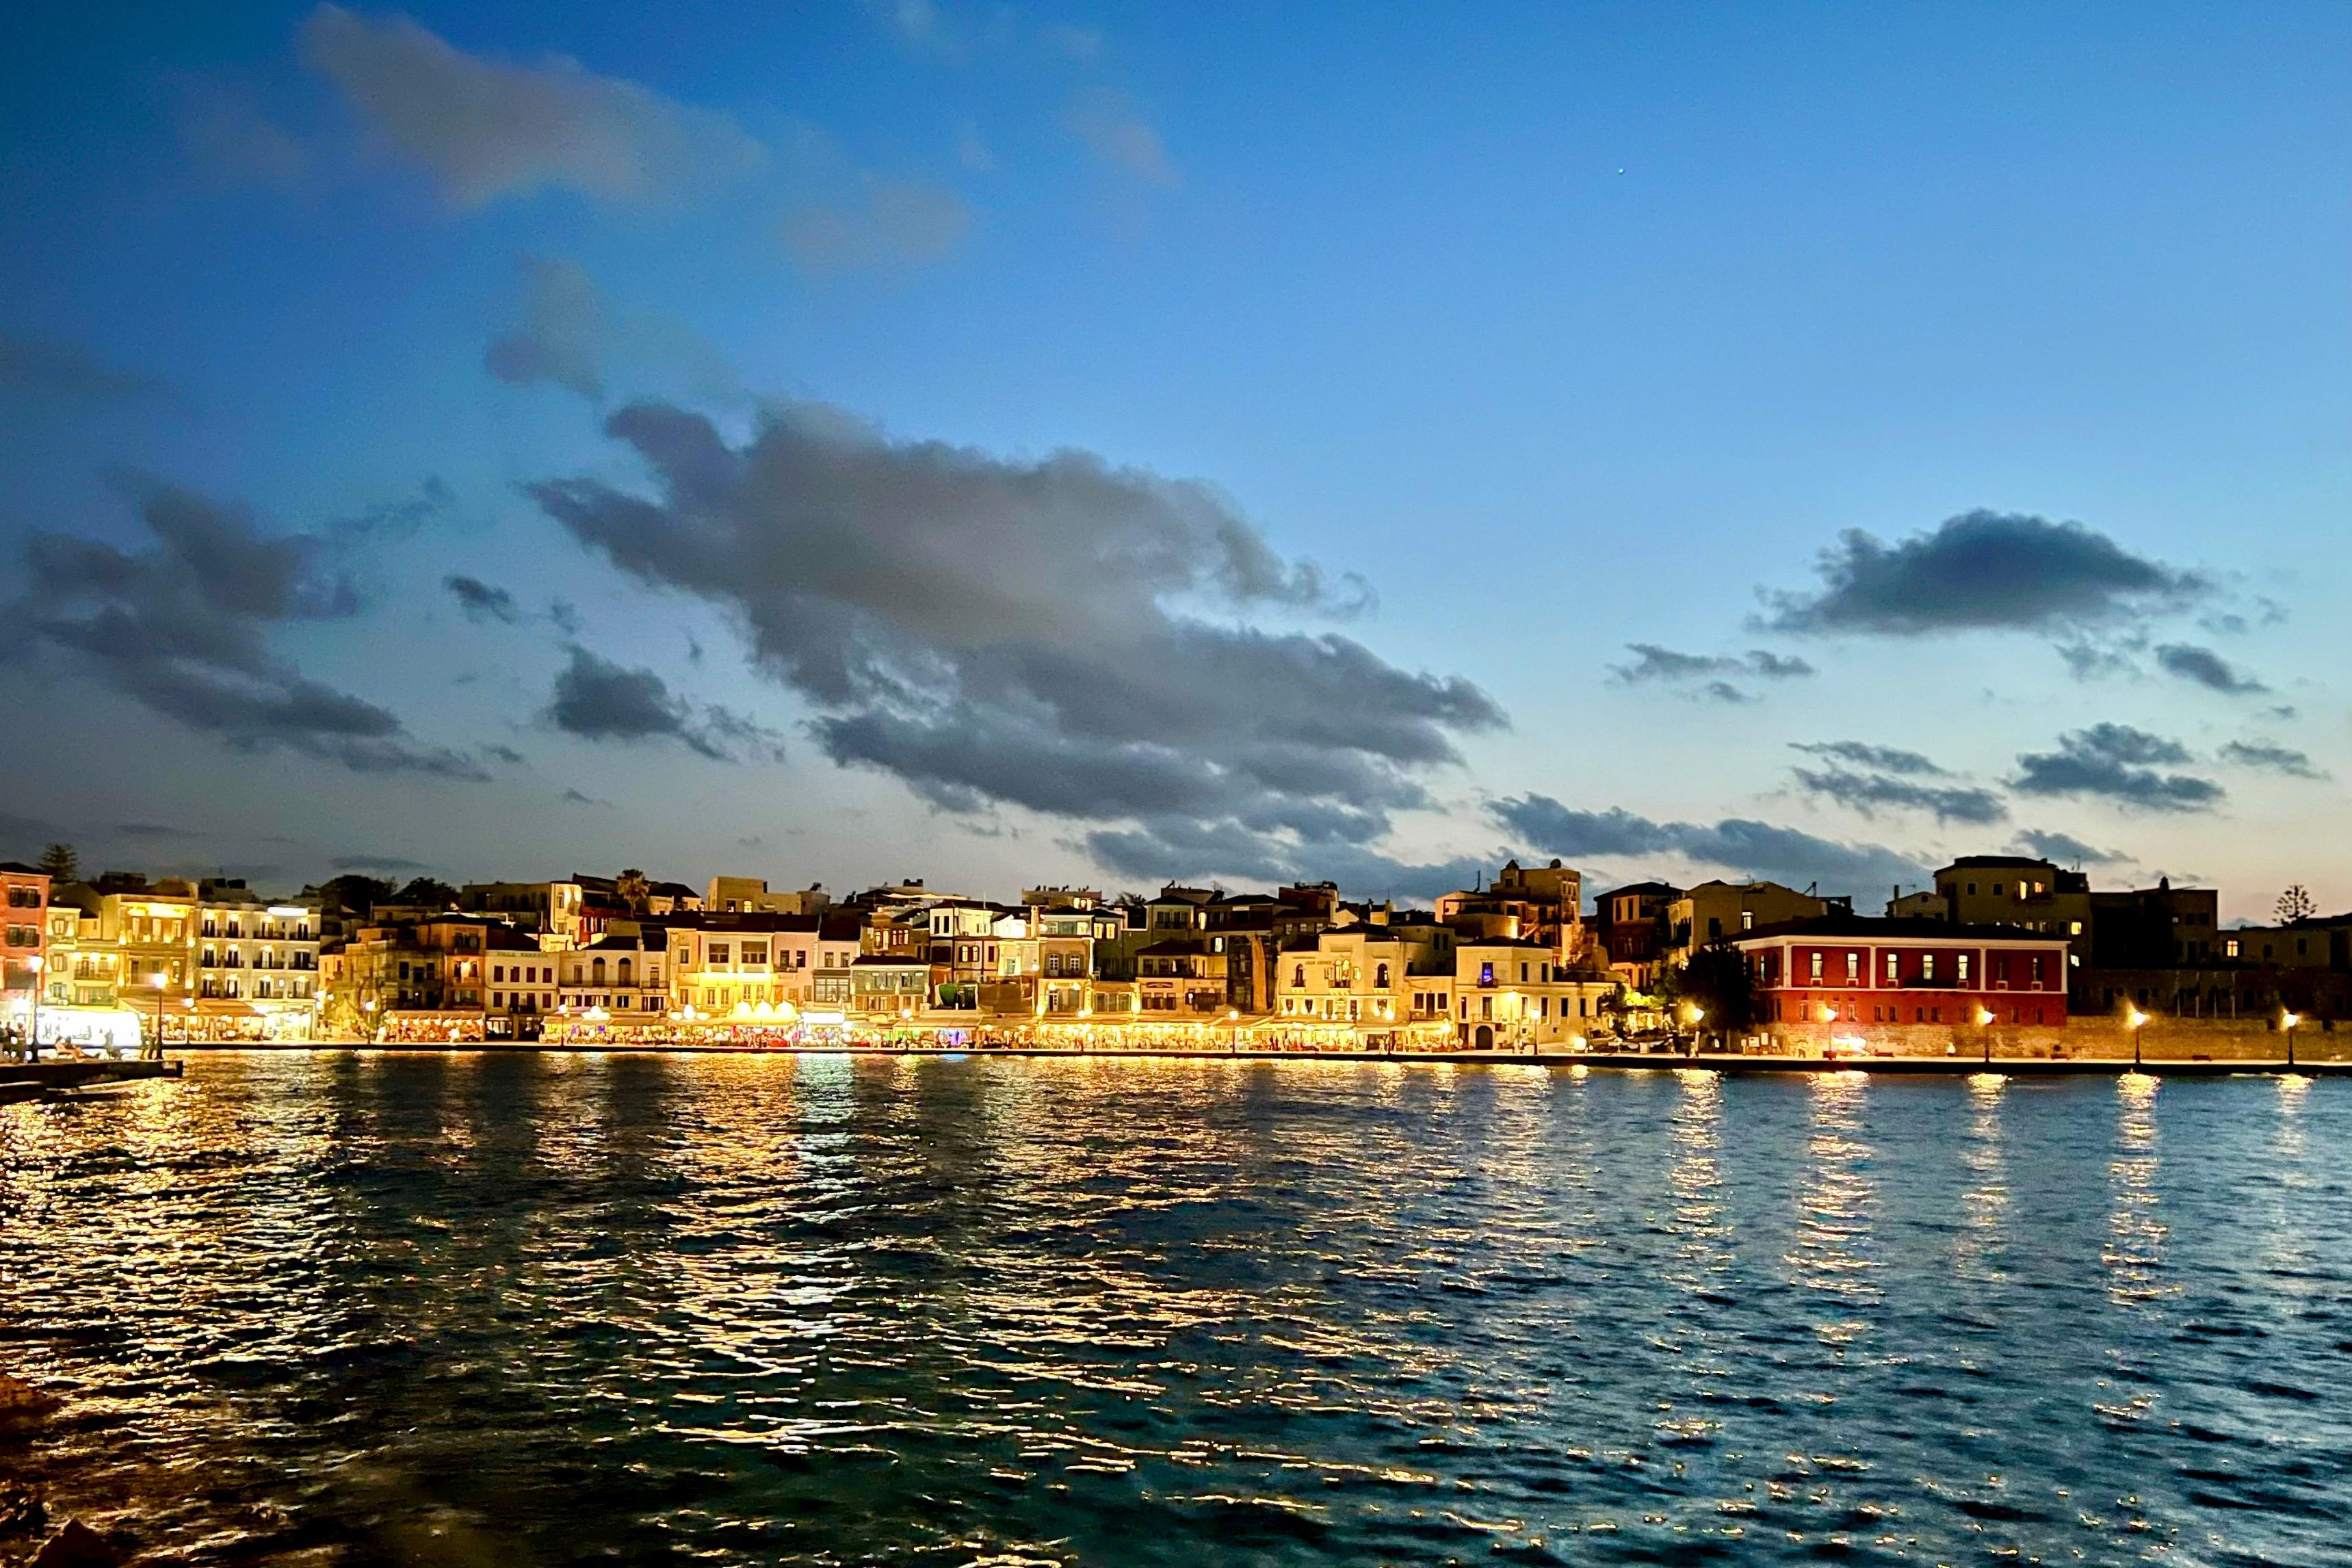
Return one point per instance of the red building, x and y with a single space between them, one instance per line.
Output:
24 944
1852 969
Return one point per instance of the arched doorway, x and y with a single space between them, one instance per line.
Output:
1485 1037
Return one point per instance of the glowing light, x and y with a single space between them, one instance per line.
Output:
1984 1014
2135 1018
2291 1019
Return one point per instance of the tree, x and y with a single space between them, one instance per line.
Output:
1717 979
354 892
429 892
61 864
2295 904
635 893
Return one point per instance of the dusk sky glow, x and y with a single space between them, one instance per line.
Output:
831 442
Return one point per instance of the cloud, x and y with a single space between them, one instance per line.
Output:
484 129
2116 762
1213 851
55 371
600 700
1748 847
2263 754
1110 127
896 223
1655 663
565 333
2207 669
1724 691
1979 571
1034 632
1866 792
479 600
182 628
2066 848
377 863
973 150
1884 759
234 143
507 754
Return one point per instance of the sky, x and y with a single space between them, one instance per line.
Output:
1011 444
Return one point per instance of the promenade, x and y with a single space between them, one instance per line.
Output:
1603 1061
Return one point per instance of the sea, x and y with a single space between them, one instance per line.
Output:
345 1306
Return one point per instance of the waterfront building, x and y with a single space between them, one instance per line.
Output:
2013 891
1717 911
623 978
1844 969
257 966
23 945
557 913
1511 994
750 895
1629 929
886 987
1543 903
2151 928
430 982
741 965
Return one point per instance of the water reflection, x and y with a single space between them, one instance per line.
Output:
369 1309
2134 1253
1833 1242
1977 1251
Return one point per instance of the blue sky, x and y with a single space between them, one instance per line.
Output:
1561 329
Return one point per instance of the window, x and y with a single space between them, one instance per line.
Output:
2037 969
1972 889
1299 976
1523 975
719 952
1926 966
755 953
1964 968
1894 968
1852 967
1485 974
1381 977
1816 969
1996 889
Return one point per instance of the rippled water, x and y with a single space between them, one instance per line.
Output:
517 1309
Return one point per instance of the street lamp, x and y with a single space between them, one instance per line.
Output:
2289 1020
33 1032
2135 1021
156 980
1984 1032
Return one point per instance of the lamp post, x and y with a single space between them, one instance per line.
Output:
32 1029
2288 1021
2135 1021
1984 1032
1234 1031
156 980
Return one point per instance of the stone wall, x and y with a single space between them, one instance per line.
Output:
2162 1039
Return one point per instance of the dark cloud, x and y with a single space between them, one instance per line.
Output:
561 334
484 129
1979 571
1748 848
1029 632
600 700
479 600
1182 851
507 754
184 629
1868 792
2269 758
2067 849
1882 759
1653 662
2207 669
893 223
1866 778
53 371
154 830
377 863
2116 762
